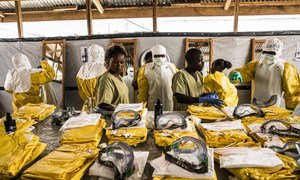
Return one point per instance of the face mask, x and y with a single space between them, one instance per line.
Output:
270 58
159 61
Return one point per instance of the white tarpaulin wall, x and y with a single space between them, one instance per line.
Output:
235 49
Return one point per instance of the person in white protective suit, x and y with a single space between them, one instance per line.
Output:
128 80
271 75
155 80
23 82
88 75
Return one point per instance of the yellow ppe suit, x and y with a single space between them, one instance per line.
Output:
290 84
186 84
21 123
67 162
29 95
206 113
226 91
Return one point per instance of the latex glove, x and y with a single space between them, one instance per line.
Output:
235 77
211 98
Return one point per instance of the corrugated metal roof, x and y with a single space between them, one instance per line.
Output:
37 4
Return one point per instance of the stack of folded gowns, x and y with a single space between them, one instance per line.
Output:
166 137
274 112
131 135
85 128
256 163
225 133
206 113
66 162
17 151
21 123
35 112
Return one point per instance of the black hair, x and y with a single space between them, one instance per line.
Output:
192 54
113 52
148 57
222 64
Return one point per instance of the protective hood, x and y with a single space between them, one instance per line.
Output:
159 50
21 61
96 54
272 45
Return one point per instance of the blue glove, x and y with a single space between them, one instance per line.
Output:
210 98
236 76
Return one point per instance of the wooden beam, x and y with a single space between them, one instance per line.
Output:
154 15
19 18
236 16
99 6
65 8
2 14
227 4
89 17
147 12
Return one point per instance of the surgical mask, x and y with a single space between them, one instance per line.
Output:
159 61
125 118
270 58
159 55
170 121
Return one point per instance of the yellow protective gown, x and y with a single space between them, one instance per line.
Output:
226 91
84 135
206 113
17 151
290 81
87 89
167 137
111 90
67 162
37 78
186 84
35 112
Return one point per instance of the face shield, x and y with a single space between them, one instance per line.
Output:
272 50
125 118
96 53
21 60
188 153
244 110
270 102
170 121
118 156
159 55
280 128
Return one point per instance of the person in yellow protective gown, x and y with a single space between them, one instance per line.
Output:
88 76
155 80
187 84
112 89
218 82
272 76
23 82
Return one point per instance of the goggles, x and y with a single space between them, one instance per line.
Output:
280 128
196 151
118 156
125 118
291 149
244 110
270 102
60 116
170 121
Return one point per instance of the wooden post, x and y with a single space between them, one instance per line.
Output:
19 18
236 16
154 15
89 17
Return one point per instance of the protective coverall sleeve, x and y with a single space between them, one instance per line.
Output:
178 85
142 85
105 91
44 76
80 89
291 86
247 71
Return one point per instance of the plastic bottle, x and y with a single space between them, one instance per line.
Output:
9 124
158 110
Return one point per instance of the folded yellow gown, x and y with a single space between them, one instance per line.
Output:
22 125
66 162
17 151
228 133
36 112
88 134
274 112
206 113
167 137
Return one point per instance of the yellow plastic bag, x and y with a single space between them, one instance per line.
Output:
131 136
206 113
36 112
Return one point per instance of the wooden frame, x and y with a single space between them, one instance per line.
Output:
123 43
201 42
255 53
55 52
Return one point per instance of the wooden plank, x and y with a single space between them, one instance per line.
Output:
2 14
19 18
154 16
99 6
236 16
227 4
89 17
148 12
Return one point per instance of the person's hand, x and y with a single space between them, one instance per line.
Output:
211 98
236 77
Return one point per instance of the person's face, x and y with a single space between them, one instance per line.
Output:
197 63
116 64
